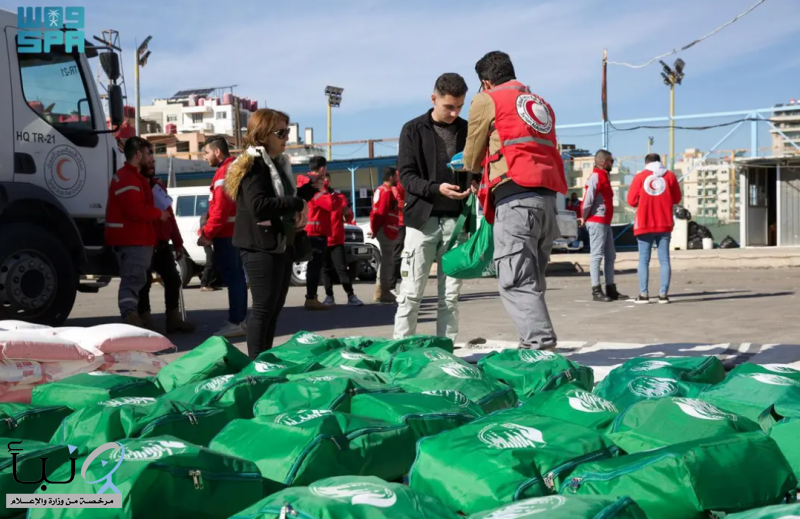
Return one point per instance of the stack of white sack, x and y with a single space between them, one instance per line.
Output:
33 354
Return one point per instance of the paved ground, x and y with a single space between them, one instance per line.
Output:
728 312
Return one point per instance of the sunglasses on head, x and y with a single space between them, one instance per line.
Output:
282 134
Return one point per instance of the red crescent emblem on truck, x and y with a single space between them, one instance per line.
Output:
59 172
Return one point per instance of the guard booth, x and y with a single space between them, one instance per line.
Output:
770 201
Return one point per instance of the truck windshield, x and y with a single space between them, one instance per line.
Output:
55 89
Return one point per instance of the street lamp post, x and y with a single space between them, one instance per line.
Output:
140 60
334 95
672 78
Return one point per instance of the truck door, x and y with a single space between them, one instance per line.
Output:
6 122
55 114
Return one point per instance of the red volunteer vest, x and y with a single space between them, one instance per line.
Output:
525 124
381 219
604 214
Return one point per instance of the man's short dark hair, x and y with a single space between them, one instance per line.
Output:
652 157
602 155
389 173
316 163
134 145
451 84
496 67
218 143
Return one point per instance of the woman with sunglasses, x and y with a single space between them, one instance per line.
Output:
270 212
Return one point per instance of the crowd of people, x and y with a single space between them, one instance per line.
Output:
262 220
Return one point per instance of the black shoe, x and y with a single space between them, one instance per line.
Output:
643 299
611 291
663 300
598 295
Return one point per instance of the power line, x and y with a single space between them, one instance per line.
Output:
695 42
731 123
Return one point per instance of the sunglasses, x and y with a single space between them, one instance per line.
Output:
282 134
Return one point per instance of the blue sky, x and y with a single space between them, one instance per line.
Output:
387 55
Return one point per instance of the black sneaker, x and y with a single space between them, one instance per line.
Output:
614 295
663 300
599 296
643 299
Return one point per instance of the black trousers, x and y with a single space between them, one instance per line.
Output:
398 255
319 244
336 259
164 265
269 276
211 275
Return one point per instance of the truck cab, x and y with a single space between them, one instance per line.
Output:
56 161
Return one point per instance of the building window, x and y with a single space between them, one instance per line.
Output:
182 147
172 118
196 118
222 115
160 148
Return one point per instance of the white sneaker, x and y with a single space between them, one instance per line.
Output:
231 331
329 301
354 301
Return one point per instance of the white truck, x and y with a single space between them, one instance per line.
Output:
57 156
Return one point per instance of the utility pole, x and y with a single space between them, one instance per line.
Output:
140 60
237 131
604 99
672 78
334 95
650 141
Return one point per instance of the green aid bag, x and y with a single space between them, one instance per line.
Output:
502 458
426 415
235 393
791 511
300 447
304 346
562 507
268 365
348 497
31 422
348 356
358 342
688 480
573 405
749 391
161 477
533 371
409 363
330 389
700 370
785 430
479 387
214 358
30 469
625 392
469 259
385 350
651 424
85 389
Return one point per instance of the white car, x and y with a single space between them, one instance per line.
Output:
191 203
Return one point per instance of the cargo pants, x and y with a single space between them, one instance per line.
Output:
134 264
524 231
422 248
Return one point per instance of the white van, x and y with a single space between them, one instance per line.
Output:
191 203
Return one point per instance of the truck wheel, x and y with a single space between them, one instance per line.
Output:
186 269
368 270
299 274
38 278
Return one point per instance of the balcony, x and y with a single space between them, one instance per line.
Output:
206 109
197 127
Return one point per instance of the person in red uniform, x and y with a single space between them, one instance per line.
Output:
335 254
512 138
129 228
218 232
383 221
163 262
399 195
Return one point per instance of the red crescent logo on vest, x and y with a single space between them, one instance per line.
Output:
534 112
655 185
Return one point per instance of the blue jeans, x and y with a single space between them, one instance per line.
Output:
229 262
646 241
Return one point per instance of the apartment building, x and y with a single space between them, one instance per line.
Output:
710 190
786 117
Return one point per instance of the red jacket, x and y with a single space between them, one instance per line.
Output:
339 216
221 207
130 211
320 209
384 212
653 192
598 198
166 231
399 195
526 126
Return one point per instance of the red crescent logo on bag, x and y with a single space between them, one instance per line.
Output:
535 113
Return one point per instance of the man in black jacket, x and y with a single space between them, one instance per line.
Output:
435 197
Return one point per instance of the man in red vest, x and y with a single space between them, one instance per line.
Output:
130 217
598 211
336 255
512 137
383 221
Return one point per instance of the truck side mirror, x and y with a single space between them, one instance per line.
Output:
110 63
115 106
